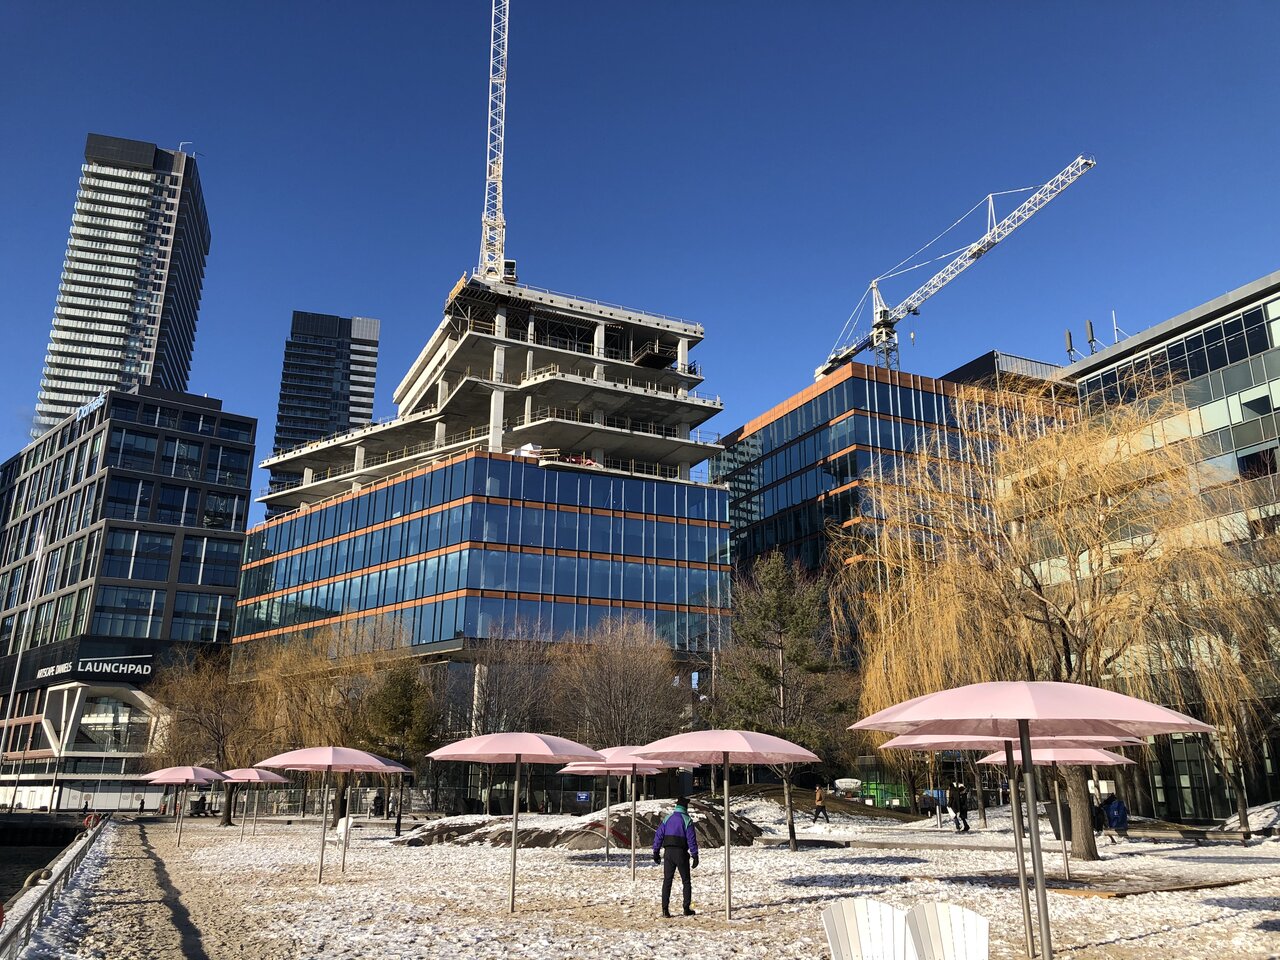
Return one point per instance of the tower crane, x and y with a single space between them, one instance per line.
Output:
492 265
883 338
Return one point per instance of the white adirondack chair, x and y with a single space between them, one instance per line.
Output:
866 929
943 931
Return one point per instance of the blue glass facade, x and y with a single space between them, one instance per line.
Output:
487 544
796 469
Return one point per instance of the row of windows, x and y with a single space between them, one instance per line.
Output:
492 523
188 421
137 500
56 477
62 518
485 476
807 520
481 617
1211 347
136 450
52 622
138 613
143 555
851 394
493 570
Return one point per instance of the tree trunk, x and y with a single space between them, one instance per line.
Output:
339 807
228 798
791 814
1242 797
1083 846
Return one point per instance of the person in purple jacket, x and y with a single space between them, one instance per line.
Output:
677 837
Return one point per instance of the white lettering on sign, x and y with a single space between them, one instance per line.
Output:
56 670
117 666
91 406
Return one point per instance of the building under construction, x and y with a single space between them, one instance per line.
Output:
537 477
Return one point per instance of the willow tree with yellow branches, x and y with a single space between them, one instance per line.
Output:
1030 540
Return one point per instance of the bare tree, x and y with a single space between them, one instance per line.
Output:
620 686
208 720
1033 541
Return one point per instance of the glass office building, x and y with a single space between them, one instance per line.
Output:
489 545
796 469
539 478
1224 356
121 533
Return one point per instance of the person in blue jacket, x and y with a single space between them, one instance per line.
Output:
677 838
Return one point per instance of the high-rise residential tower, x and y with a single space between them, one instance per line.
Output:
326 384
131 280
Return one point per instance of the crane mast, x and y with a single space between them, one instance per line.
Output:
493 226
883 338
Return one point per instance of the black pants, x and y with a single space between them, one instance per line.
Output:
820 809
962 817
673 859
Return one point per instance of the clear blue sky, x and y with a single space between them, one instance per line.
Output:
749 165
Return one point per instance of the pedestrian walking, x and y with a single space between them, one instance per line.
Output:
820 804
678 841
958 801
142 805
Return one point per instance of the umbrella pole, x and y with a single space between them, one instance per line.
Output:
634 788
728 889
1062 827
256 795
1015 806
1033 828
180 806
244 817
515 821
607 778
346 832
324 803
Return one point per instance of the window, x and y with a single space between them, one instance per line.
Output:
178 505
223 511
129 499
137 555
129 612
228 466
208 561
131 449
182 458
235 430
201 617
198 423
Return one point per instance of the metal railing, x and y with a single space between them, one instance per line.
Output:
554 370
574 298
378 460
17 930
613 423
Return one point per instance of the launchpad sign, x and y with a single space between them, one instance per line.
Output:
123 667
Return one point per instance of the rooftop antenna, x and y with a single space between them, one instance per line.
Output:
1094 345
1116 332
1072 352
183 143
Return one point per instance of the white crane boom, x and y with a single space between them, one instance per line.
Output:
493 226
884 334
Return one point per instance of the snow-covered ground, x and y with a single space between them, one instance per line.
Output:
259 898
1260 817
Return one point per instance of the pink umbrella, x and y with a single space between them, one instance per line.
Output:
331 760
1062 757
638 766
517 748
608 770
725 747
251 776
941 741
1016 710
182 777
